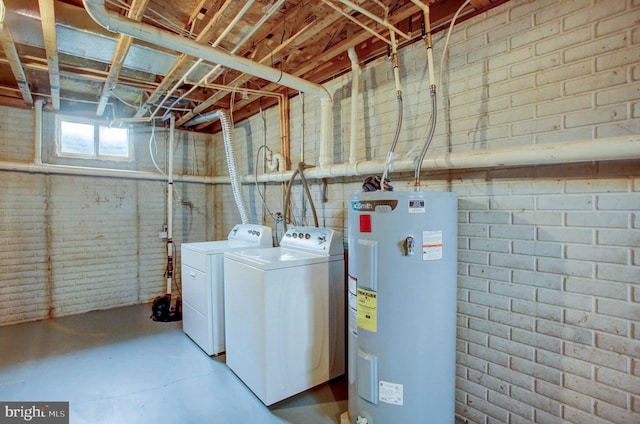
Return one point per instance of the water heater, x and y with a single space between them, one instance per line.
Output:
402 307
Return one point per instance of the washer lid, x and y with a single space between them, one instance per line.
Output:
276 257
220 246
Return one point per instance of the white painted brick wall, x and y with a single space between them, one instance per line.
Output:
548 256
70 244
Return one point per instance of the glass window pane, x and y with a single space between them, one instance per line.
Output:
113 142
76 138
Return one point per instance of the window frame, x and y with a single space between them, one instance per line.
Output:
97 124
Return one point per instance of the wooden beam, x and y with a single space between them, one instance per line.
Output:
183 62
196 14
48 19
120 54
9 47
334 60
368 47
479 4
298 38
40 65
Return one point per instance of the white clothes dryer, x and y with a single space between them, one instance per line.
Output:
202 283
285 313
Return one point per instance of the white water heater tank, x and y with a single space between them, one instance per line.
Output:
402 307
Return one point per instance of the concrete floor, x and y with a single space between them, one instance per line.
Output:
119 366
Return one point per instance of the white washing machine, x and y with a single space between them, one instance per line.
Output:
285 313
202 284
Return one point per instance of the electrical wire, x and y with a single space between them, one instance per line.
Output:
446 42
152 142
114 94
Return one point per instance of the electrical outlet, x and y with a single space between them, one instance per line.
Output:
162 234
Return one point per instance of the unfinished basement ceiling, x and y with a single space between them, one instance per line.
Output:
53 50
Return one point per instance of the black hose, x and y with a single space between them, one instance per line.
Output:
306 189
287 197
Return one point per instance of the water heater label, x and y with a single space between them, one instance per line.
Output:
391 393
368 310
353 306
431 245
416 206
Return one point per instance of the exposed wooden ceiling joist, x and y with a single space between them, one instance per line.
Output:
120 54
55 50
48 18
181 66
9 48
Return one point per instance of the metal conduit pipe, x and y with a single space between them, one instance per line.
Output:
169 243
141 31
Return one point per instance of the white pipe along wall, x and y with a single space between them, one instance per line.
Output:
614 148
169 272
37 167
588 150
355 92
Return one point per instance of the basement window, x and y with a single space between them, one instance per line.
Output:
84 139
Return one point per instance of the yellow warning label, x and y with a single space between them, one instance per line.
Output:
368 310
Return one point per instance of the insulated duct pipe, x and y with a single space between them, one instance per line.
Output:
236 187
141 31
227 136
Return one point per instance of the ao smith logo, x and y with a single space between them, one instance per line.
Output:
53 412
371 205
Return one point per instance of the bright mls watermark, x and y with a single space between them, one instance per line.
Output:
34 412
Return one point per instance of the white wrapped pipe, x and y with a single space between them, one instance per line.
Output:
236 187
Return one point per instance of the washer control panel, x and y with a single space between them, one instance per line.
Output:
321 240
255 233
